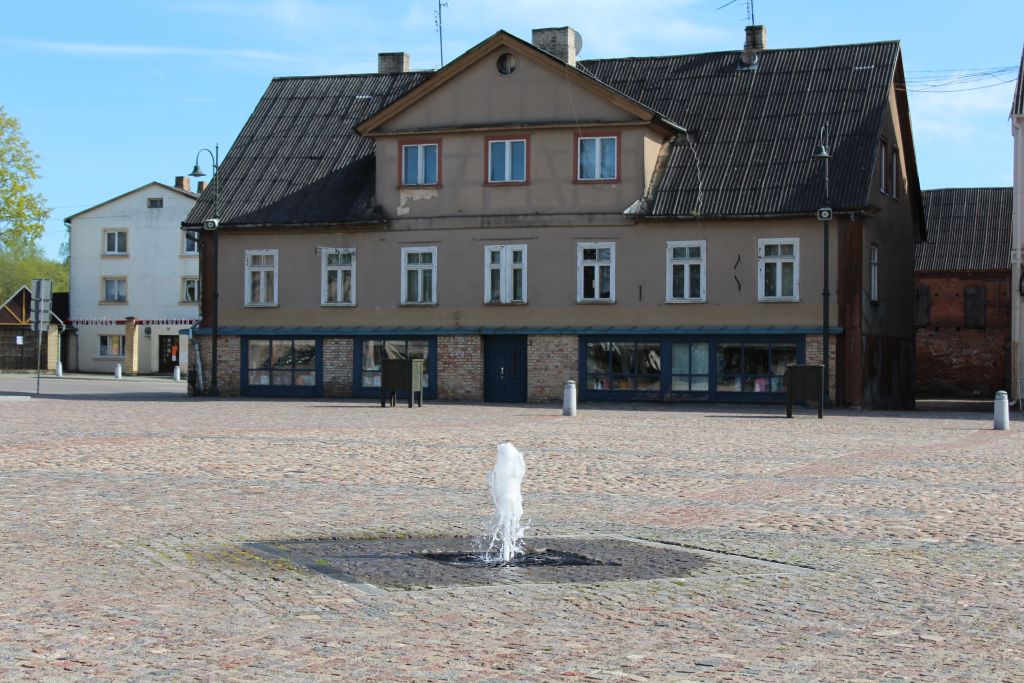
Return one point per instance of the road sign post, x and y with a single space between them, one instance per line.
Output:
42 299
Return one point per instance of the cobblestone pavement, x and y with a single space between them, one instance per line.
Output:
895 541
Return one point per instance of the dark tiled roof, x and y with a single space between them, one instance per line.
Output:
298 160
753 132
1018 95
748 151
968 229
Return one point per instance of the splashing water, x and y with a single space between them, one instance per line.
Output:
506 481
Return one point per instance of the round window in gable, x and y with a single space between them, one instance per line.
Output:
507 63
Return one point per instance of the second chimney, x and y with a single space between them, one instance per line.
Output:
564 42
392 62
757 41
200 186
183 182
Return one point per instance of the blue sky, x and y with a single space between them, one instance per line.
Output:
114 94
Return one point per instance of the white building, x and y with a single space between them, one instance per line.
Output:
134 281
1017 246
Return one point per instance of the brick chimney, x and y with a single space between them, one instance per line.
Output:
757 41
200 186
183 182
564 42
392 62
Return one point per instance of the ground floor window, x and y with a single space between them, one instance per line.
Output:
281 363
681 367
623 366
373 351
112 345
753 367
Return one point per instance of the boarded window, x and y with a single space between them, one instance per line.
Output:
922 305
974 306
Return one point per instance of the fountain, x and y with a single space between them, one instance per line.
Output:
506 481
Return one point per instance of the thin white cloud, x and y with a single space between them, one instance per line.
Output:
107 50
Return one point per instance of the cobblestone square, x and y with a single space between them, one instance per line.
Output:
865 546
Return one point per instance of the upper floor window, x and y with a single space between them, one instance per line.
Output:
155 203
597 157
115 290
421 163
338 277
685 271
261 277
778 269
894 172
115 242
888 168
419 275
595 272
191 242
507 161
505 276
873 279
974 306
189 290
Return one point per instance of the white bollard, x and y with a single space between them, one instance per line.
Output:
59 370
569 399
177 373
1002 416
117 371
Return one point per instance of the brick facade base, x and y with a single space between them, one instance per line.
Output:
550 360
814 356
229 364
338 363
460 368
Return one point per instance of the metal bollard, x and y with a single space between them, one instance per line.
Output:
1002 416
59 370
177 373
569 399
117 371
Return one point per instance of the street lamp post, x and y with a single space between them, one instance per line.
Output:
825 216
212 224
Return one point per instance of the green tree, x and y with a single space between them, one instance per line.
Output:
21 261
22 213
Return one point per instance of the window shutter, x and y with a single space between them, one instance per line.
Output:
922 306
974 306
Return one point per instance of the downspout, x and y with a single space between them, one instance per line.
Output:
198 384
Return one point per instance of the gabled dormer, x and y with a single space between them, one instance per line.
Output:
511 129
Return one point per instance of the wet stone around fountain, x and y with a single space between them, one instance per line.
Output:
443 561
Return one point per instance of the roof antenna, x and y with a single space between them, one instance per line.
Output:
750 10
438 24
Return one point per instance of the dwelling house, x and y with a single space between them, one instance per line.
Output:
1017 246
963 292
134 281
644 226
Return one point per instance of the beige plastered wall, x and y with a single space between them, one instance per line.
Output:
640 273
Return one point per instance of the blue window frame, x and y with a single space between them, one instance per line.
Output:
679 368
282 366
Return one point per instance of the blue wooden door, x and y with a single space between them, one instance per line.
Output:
505 369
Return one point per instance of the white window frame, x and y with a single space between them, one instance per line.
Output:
421 167
103 289
189 248
406 267
507 144
761 260
249 269
99 347
184 289
506 267
873 273
686 262
115 231
325 252
599 143
581 265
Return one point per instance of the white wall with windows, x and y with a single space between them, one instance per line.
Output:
129 257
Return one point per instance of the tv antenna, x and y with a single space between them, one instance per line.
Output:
438 24
750 10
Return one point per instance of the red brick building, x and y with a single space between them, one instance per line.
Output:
962 280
